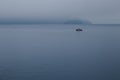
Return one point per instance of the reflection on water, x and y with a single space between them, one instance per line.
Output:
58 52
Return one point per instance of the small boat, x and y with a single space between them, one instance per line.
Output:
78 29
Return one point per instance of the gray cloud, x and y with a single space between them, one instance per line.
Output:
97 11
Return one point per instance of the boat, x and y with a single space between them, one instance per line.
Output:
78 29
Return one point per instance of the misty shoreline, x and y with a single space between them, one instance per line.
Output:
57 24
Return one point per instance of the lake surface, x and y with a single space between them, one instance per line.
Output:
58 52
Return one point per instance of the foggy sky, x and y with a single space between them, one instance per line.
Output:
97 11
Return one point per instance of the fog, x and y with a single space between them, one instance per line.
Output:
96 11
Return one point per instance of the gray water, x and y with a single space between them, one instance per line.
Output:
58 52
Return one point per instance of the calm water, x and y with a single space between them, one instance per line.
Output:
58 52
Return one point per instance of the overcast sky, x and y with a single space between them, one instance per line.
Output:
97 11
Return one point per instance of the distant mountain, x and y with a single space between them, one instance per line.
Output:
44 21
77 22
